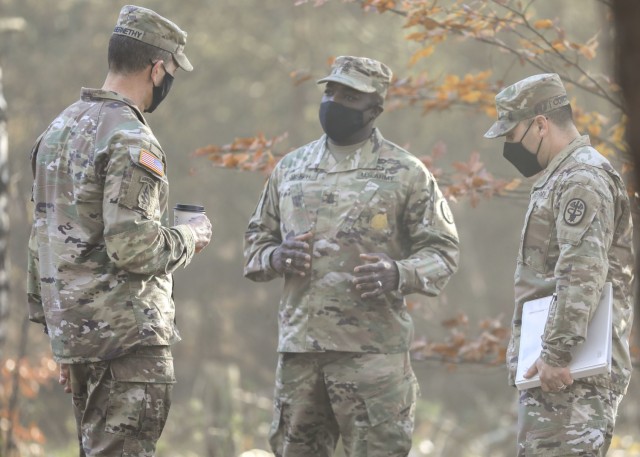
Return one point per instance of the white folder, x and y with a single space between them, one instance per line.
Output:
591 357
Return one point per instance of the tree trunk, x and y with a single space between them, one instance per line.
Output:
627 57
4 219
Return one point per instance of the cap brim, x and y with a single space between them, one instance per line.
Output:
500 128
183 62
349 82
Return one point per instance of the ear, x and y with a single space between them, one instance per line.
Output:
542 124
157 72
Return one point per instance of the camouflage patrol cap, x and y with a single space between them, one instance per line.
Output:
149 27
537 94
360 73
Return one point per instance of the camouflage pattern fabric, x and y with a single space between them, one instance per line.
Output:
578 421
145 25
101 253
537 94
367 399
577 235
378 199
121 405
360 73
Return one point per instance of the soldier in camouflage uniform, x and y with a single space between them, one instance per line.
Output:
354 223
576 236
101 251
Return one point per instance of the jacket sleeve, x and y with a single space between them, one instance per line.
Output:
432 239
584 217
34 301
263 234
135 238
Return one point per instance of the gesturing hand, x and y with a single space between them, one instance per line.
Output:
293 256
376 277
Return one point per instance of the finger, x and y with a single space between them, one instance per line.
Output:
370 257
546 387
375 292
363 280
566 378
369 286
371 294
296 245
298 258
296 264
304 236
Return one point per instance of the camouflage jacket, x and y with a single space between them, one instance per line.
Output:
577 235
378 199
101 252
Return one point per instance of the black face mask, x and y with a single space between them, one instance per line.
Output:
340 122
161 91
520 157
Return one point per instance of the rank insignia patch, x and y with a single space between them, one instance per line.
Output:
150 161
574 211
379 222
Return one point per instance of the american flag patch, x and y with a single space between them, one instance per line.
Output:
148 160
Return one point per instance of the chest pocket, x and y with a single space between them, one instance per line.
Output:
298 203
372 214
144 185
538 231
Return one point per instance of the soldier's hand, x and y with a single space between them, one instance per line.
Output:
552 379
64 379
293 256
378 275
201 227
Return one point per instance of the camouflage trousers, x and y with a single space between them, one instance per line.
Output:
577 421
121 405
367 399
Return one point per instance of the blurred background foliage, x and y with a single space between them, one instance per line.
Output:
255 66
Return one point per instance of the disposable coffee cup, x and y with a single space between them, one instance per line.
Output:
183 214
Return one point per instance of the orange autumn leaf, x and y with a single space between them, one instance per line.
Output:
543 24
421 54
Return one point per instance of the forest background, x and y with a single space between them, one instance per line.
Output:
256 62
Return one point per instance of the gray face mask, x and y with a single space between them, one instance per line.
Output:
520 157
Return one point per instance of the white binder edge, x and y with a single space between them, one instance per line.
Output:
590 358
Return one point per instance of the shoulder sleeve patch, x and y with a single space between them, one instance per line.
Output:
446 211
151 162
574 211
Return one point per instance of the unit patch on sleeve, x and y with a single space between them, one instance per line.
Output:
574 211
151 162
446 212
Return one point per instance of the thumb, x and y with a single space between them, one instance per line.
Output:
531 372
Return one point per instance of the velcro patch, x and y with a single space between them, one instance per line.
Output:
446 212
150 161
574 211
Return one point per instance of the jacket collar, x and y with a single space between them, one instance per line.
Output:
365 157
100 94
555 163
